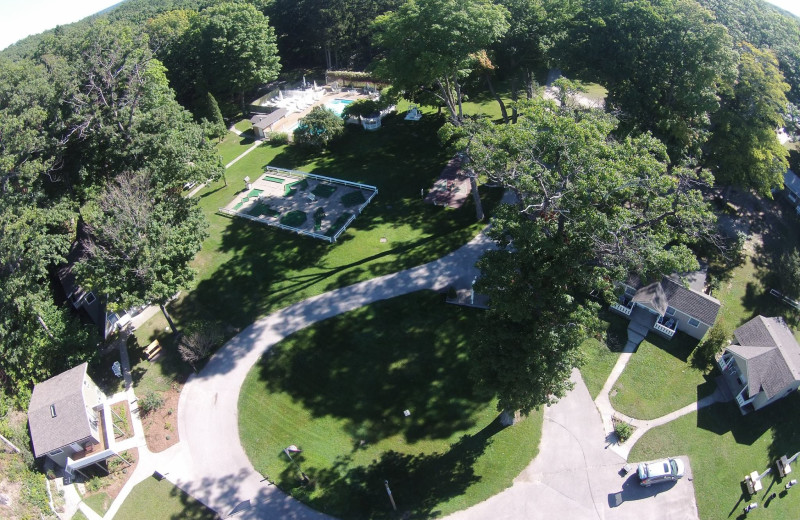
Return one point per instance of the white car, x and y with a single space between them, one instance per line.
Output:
664 470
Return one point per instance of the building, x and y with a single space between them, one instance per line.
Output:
264 123
66 420
791 185
665 307
763 365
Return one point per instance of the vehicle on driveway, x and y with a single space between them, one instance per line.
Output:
657 471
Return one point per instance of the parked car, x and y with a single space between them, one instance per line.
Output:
657 471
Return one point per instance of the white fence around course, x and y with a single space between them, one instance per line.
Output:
302 175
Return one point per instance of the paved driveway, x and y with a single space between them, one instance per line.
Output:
576 477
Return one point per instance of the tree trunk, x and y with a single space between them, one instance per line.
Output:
169 320
497 97
529 83
510 418
458 97
514 99
473 182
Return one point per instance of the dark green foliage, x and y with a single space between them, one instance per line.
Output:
704 355
364 108
623 430
278 138
318 128
214 115
788 271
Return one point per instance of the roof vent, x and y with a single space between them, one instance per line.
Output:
52 410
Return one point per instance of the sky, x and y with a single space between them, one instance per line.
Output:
21 18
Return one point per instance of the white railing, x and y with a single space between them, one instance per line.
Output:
741 400
303 175
724 362
621 308
90 459
664 329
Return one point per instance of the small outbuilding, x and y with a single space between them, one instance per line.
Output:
265 123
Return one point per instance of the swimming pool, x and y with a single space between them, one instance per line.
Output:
337 105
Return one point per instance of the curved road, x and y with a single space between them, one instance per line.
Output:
574 476
211 464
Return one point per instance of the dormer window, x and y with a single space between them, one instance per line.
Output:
52 410
90 298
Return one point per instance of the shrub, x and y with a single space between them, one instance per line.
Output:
151 402
623 430
278 138
318 128
704 354
93 484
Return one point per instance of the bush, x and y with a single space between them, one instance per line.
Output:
93 484
278 138
623 430
151 402
704 354
318 128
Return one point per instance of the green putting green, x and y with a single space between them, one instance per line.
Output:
324 190
354 198
263 209
238 206
294 219
279 180
255 193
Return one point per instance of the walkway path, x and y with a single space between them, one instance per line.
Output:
607 411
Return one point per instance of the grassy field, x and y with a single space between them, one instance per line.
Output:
658 379
723 447
339 389
99 502
232 146
599 357
160 500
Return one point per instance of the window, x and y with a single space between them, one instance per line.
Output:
57 451
693 322
670 311
90 298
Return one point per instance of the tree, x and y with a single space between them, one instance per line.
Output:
590 210
662 62
318 128
141 241
433 44
744 149
214 117
237 49
704 354
788 271
198 343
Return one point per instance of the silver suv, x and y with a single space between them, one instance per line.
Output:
664 470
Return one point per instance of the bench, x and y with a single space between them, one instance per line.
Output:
153 350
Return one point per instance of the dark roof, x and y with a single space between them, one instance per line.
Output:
791 181
694 303
64 393
772 355
652 296
263 121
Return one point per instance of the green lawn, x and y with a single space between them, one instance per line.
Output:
599 357
658 379
339 389
79 516
99 502
243 125
232 146
160 500
723 447
246 271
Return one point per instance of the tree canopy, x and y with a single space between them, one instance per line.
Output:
591 209
318 128
432 44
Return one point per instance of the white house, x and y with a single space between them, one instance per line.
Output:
763 365
665 307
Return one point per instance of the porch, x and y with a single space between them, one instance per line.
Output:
664 325
733 383
91 449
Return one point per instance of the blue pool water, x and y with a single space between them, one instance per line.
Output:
337 105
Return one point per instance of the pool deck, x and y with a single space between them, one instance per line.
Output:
292 118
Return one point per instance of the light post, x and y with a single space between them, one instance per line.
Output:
389 492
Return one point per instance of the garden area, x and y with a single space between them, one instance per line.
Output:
381 393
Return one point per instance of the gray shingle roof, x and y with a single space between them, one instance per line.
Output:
695 304
65 393
652 296
263 121
772 355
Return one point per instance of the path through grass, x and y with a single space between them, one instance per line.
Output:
339 389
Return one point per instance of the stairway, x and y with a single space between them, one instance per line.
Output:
642 321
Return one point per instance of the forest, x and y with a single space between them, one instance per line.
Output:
104 121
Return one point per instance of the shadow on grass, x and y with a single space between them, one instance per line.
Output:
369 365
419 483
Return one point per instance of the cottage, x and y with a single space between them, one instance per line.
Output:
763 365
264 123
65 417
665 307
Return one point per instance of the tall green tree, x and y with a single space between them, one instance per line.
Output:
237 49
590 210
318 128
433 44
662 61
744 149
